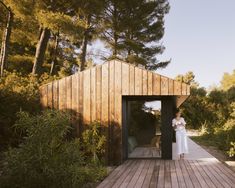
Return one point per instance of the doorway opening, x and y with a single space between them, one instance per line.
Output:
143 129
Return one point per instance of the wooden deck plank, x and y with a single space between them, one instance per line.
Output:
147 179
130 175
185 174
154 177
174 180
167 174
192 176
137 174
160 182
143 174
179 175
222 169
211 173
123 175
204 174
113 175
220 176
197 174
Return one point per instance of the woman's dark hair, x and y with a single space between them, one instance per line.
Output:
177 111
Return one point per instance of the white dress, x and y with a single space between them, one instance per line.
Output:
181 137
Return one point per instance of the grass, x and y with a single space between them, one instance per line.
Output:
205 140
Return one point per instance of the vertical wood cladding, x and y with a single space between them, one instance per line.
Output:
96 95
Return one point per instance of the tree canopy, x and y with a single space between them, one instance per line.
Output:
53 36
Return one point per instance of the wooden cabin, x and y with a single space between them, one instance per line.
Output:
101 94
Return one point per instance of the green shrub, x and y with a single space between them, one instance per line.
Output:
231 151
17 92
48 157
93 142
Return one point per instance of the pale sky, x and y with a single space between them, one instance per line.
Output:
200 37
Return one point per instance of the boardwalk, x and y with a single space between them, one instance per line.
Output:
199 169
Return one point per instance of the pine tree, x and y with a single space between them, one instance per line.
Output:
52 17
90 11
133 30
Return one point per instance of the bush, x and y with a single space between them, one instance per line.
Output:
48 157
17 93
93 142
231 151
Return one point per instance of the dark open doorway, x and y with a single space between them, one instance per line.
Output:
148 135
143 129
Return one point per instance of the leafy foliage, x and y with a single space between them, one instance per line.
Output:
17 93
213 113
47 157
93 142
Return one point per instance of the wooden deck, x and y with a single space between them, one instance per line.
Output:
199 169
145 152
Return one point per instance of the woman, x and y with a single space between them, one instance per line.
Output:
181 138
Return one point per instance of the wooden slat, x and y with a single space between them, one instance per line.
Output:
111 109
114 175
43 94
211 173
137 174
154 178
56 94
145 82
87 96
160 182
123 175
167 174
174 180
125 79
177 88
81 93
132 80
50 95
204 175
150 171
171 87
150 83
184 89
138 81
93 94
164 85
118 92
62 94
105 94
197 174
188 89
179 175
68 93
75 93
185 175
143 174
192 176
156 84
111 90
98 93
130 175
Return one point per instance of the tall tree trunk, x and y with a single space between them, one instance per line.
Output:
40 51
54 59
6 41
84 45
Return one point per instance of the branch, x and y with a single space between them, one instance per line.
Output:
8 8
